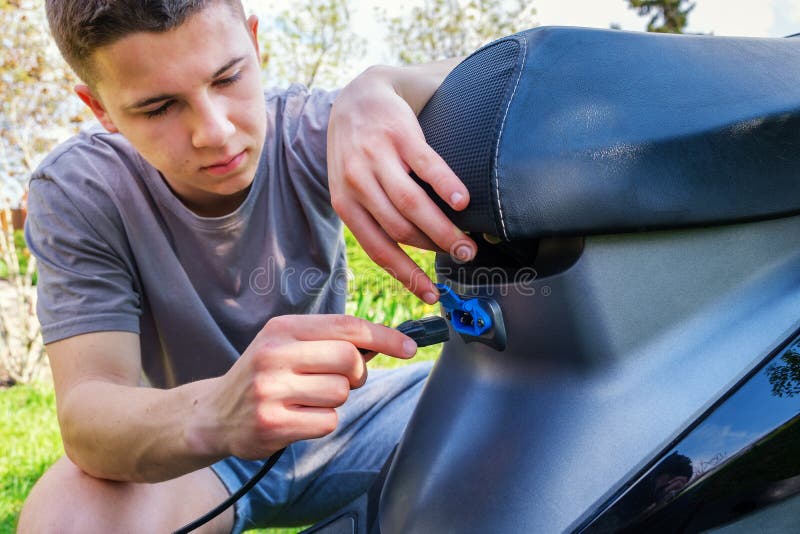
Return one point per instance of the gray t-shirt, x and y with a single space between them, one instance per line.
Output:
118 251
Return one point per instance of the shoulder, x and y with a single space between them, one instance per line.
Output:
92 153
91 174
299 102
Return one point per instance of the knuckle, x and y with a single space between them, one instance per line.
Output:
329 423
338 202
265 355
279 323
390 129
403 232
348 325
371 151
338 359
266 387
405 200
380 256
361 378
268 419
437 179
421 160
345 358
346 208
349 171
341 391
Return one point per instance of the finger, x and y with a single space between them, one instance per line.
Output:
327 358
373 198
432 169
386 253
307 422
318 391
420 210
358 332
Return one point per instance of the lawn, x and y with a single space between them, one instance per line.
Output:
30 442
29 437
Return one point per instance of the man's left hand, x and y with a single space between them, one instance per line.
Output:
374 142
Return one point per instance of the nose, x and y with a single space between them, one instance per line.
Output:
212 127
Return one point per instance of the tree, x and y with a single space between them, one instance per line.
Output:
37 110
785 377
451 28
310 42
21 349
666 16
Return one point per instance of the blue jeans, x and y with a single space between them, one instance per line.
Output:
315 478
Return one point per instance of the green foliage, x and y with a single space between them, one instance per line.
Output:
308 42
666 16
785 377
375 296
22 357
37 108
30 442
440 29
22 253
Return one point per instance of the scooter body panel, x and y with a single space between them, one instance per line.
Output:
607 363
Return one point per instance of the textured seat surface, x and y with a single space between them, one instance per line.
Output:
573 131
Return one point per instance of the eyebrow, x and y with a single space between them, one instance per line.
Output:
165 96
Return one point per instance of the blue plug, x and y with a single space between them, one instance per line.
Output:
467 316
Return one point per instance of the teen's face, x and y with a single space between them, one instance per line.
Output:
190 101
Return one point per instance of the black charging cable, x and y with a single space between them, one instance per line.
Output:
427 331
272 460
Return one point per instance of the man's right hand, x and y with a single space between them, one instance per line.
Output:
284 387
287 384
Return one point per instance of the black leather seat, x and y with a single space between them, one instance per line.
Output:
571 131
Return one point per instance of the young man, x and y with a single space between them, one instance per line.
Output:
190 243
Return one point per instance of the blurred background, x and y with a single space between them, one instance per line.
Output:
320 43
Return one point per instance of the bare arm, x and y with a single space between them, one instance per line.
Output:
416 83
374 141
111 427
285 387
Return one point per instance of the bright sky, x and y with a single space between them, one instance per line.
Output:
754 18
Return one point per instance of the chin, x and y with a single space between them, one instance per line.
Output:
235 188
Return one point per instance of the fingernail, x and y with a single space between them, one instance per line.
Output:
409 347
455 199
430 297
464 253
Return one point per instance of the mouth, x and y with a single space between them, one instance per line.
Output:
227 165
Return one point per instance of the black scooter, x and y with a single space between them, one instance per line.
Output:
637 198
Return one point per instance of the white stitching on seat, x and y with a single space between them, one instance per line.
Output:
500 134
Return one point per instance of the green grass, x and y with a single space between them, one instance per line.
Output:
29 436
377 297
22 253
30 442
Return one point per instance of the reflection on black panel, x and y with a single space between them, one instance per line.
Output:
743 457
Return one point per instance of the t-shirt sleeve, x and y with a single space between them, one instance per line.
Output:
83 285
304 130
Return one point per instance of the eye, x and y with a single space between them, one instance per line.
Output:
159 111
229 80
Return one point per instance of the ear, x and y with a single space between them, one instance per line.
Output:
88 97
252 26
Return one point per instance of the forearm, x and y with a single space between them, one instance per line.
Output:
415 83
139 434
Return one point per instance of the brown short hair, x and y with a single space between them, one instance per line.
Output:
80 27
